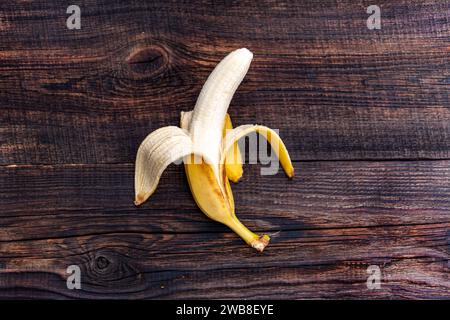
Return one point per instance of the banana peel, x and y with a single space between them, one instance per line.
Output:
208 145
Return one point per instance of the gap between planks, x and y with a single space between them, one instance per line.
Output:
126 164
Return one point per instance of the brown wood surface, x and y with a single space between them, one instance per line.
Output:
364 114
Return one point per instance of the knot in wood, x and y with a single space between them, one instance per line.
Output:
102 263
148 60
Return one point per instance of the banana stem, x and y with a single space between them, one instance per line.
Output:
252 239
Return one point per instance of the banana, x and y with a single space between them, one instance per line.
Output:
207 143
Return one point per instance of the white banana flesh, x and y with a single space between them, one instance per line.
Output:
217 157
212 104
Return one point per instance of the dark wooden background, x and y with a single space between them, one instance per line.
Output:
364 113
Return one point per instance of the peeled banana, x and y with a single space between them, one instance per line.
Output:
207 143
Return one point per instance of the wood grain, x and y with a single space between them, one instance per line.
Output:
300 264
333 88
364 114
323 194
330 223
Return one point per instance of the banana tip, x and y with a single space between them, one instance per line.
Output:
290 173
245 51
235 179
261 243
140 199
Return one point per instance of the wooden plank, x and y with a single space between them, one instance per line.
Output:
299 264
322 195
333 88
